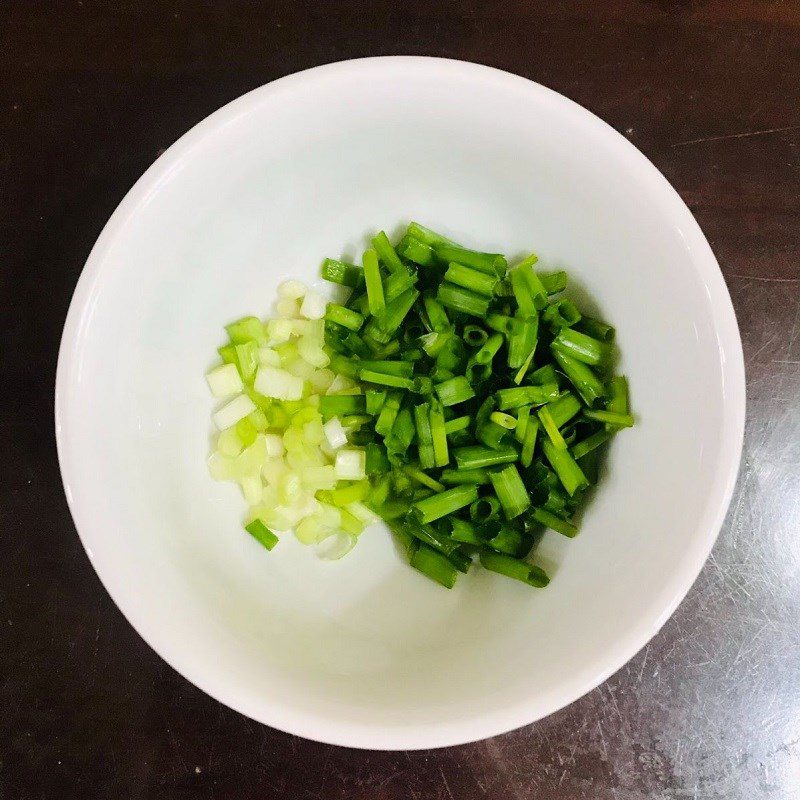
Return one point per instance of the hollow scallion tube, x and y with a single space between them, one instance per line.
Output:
597 329
484 509
386 253
472 279
565 466
529 442
372 276
386 418
580 346
522 340
345 317
441 456
562 526
453 391
523 415
396 312
489 263
550 428
477 457
401 369
618 395
261 533
474 335
590 443
580 375
435 565
610 418
396 284
429 237
553 282
419 476
447 502
436 314
341 405
510 491
414 250
463 531
514 568
560 314
535 288
457 424
342 273
507 540
382 379
516 396
564 409
463 300
422 423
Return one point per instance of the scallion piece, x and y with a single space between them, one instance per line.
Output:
580 375
342 273
580 346
514 568
550 428
345 317
441 505
456 390
565 466
435 565
477 457
517 396
372 276
484 509
383 247
510 491
261 533
589 444
609 417
463 300
549 520
491 263
472 279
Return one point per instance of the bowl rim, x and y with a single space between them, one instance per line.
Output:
527 711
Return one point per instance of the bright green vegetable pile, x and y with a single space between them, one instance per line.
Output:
487 397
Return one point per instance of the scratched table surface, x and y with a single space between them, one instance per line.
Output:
90 93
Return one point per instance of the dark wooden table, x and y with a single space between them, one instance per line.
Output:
90 93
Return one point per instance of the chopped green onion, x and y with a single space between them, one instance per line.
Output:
589 444
261 533
484 509
517 396
474 335
342 273
472 279
463 300
514 568
510 491
550 428
609 417
476 457
558 524
456 390
434 565
580 346
383 247
588 385
441 505
345 317
372 275
565 466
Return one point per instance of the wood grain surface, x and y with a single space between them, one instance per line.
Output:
91 92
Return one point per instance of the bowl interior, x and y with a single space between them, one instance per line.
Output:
365 651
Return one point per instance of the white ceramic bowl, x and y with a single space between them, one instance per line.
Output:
366 652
